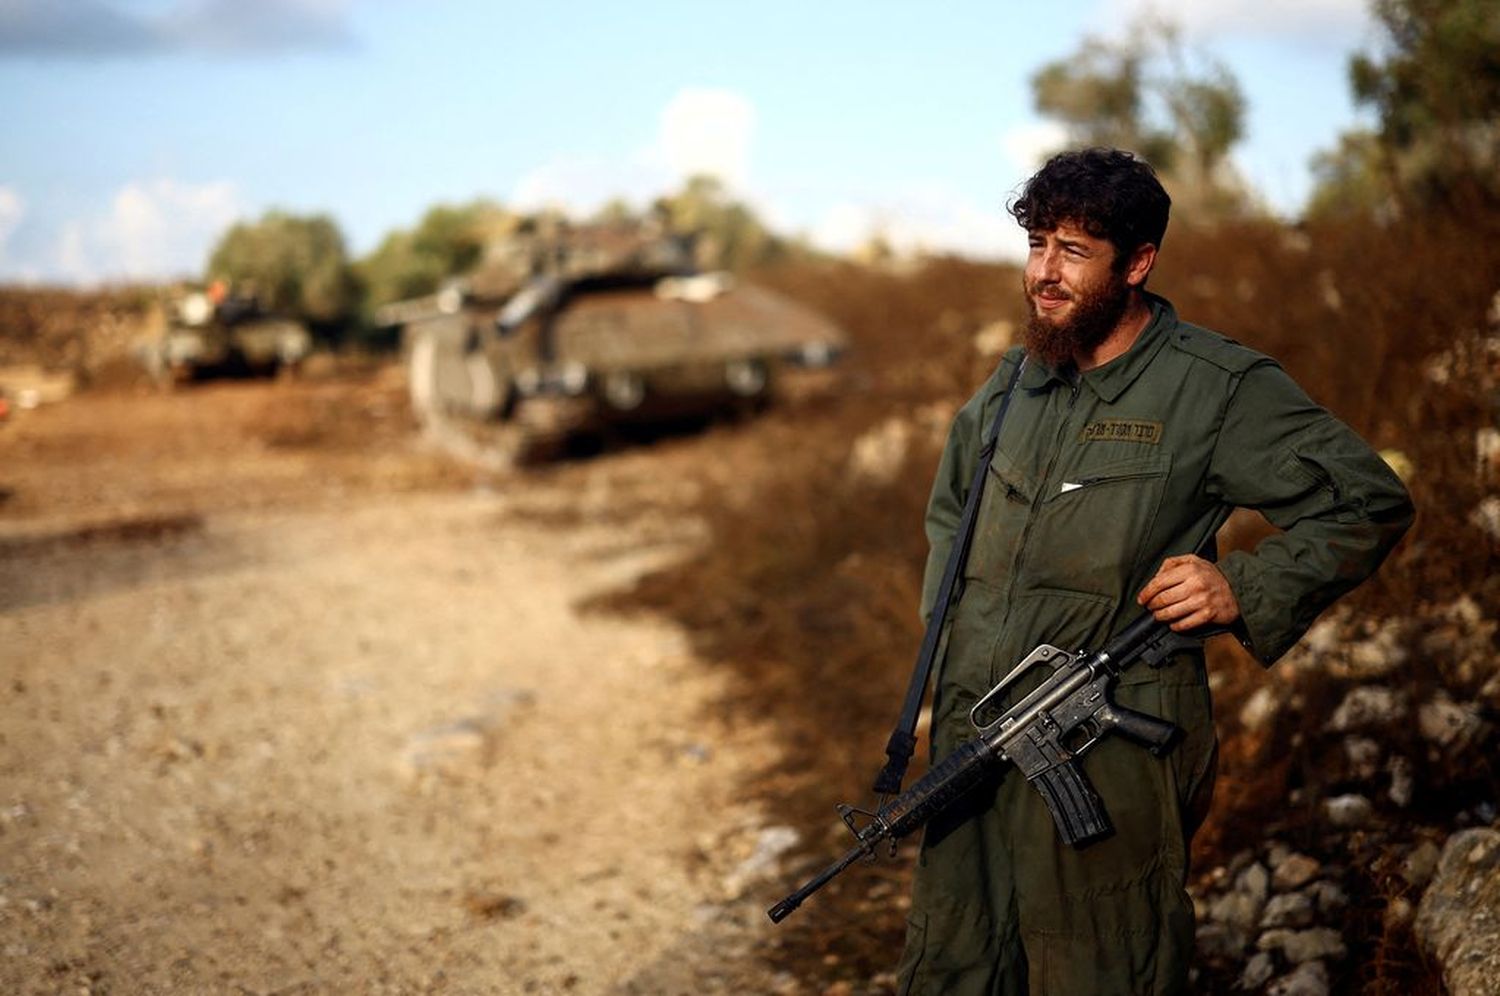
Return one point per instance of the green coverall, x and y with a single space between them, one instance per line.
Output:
1095 481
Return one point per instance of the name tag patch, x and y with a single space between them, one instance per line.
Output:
1122 430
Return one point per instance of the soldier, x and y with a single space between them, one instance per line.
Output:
1130 436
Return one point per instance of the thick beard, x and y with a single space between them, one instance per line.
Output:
1096 313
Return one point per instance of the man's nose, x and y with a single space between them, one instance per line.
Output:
1046 265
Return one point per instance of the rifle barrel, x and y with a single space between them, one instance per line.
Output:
784 909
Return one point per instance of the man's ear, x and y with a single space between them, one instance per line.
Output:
1141 262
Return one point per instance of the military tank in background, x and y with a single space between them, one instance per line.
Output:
578 328
219 332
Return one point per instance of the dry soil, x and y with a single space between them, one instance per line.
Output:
293 704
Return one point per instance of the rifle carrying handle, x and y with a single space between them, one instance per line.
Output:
1075 806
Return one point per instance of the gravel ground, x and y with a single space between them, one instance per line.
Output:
291 706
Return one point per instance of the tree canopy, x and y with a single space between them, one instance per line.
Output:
291 263
1183 112
728 231
1434 86
449 240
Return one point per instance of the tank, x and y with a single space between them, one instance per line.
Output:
600 326
216 332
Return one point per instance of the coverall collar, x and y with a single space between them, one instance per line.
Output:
1111 380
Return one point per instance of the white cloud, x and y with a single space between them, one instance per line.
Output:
699 131
1349 20
153 229
12 209
712 131
583 184
708 131
934 218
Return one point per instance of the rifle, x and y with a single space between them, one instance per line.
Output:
1037 735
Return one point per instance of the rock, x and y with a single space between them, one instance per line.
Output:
1403 781
1329 897
1304 945
1309 979
1464 610
1258 971
1254 882
1421 864
1325 636
1491 692
452 751
1458 920
878 455
1369 706
1486 516
1236 910
1348 812
1260 709
1295 872
1290 909
463 748
1220 942
1448 724
1487 452
1377 656
1363 755
770 844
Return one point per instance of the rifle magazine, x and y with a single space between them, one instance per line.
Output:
1076 807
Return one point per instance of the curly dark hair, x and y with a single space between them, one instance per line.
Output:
1109 193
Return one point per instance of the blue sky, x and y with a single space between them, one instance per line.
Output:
136 131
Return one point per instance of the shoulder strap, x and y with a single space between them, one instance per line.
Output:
903 741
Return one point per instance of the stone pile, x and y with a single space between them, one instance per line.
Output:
1395 719
1278 913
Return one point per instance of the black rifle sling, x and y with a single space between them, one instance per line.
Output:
903 741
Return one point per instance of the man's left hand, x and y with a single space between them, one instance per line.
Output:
1189 592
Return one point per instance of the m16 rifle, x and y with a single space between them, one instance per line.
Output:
1044 735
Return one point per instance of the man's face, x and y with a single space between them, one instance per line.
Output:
1076 292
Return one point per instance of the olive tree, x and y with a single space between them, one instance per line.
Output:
291 263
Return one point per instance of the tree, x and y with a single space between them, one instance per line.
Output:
1435 89
729 233
291 263
1098 95
448 241
1352 179
1145 94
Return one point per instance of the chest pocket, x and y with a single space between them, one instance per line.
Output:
1002 517
1093 525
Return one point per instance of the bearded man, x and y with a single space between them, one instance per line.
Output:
1129 436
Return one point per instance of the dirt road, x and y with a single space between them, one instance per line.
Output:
290 705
